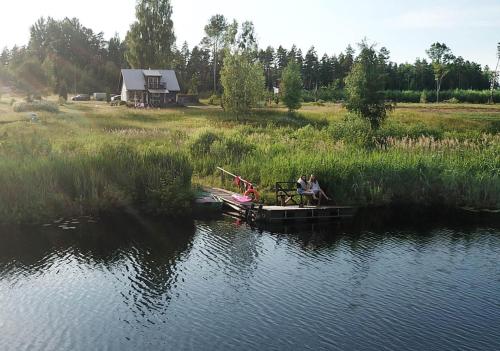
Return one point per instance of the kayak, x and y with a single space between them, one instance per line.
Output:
242 198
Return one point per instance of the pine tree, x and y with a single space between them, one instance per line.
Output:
311 68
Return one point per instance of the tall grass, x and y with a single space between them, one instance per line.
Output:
396 165
46 184
88 159
35 106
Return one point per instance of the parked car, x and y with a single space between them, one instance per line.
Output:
116 98
100 96
81 97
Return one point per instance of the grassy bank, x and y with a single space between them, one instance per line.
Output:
92 157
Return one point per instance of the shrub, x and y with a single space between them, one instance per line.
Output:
214 100
423 97
35 106
202 143
453 100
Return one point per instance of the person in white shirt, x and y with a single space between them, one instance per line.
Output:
316 189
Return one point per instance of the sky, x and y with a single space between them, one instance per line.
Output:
407 28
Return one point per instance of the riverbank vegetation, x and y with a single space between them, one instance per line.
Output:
92 157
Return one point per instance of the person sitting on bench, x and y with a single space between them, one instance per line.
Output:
303 188
314 187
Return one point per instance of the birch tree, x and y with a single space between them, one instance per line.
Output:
441 57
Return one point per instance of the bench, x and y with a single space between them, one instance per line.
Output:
288 191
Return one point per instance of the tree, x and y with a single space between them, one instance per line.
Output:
216 33
266 58
364 87
311 68
494 75
63 92
326 71
116 51
198 70
243 82
151 39
291 86
441 57
247 40
281 59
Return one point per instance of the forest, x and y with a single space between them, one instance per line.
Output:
65 56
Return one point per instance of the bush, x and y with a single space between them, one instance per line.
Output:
35 106
423 97
453 100
214 100
202 143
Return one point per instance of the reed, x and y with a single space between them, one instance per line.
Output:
44 185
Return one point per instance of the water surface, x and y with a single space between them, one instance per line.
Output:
208 285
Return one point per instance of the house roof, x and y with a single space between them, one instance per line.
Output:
133 79
151 73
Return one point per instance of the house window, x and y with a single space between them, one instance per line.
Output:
155 99
153 82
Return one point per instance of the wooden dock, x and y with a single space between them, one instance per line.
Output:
261 213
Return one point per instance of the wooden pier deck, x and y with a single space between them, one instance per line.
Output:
258 212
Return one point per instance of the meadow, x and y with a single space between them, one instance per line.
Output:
91 157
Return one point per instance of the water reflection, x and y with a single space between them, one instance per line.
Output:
128 284
140 253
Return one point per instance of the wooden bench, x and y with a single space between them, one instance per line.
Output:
288 191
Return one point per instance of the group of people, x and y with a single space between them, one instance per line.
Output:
311 188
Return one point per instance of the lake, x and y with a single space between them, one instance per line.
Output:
137 284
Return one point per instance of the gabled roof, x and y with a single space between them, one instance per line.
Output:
133 79
151 73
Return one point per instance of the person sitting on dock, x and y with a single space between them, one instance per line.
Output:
303 188
314 187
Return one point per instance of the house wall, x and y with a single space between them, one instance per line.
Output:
170 98
124 93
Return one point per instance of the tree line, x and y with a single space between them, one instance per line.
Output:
64 55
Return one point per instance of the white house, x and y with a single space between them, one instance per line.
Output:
154 88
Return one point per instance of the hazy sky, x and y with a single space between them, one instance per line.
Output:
470 28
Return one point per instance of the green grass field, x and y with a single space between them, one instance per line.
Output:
91 157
